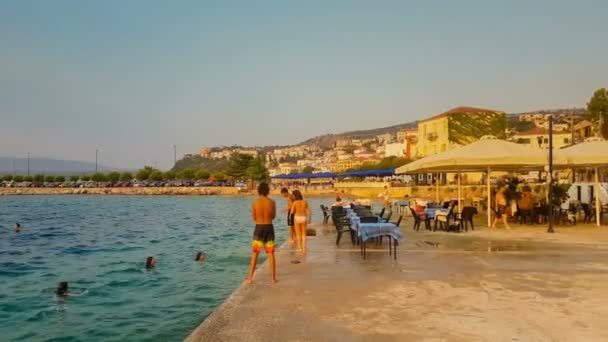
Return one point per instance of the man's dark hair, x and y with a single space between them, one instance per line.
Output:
338 199
284 191
297 195
263 189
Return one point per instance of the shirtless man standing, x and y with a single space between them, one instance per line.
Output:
290 224
263 211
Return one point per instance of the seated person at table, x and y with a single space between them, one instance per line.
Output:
527 200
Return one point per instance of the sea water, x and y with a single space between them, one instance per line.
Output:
99 245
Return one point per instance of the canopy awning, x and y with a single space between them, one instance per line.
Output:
369 173
306 175
591 153
499 155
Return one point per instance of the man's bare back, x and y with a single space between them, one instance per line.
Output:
263 210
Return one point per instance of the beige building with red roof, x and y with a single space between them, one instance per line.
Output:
457 126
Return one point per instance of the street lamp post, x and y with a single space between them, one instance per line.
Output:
96 159
174 154
28 163
551 209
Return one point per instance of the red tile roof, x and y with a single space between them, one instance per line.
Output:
461 109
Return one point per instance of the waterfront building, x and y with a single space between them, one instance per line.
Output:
395 150
583 130
288 168
539 138
457 126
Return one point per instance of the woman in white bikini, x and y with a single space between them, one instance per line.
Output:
301 210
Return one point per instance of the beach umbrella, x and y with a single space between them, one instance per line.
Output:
487 154
593 153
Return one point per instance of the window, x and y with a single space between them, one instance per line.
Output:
546 141
566 141
523 141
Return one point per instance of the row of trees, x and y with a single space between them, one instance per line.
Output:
147 173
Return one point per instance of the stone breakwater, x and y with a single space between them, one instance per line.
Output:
194 191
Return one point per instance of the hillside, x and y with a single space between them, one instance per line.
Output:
327 140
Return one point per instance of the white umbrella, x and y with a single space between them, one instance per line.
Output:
592 153
487 154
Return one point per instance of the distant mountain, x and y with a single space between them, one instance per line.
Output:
328 140
558 111
49 166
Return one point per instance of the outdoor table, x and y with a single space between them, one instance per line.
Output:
366 231
432 213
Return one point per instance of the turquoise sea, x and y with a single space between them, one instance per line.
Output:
99 245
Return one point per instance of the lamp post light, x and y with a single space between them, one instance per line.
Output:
96 159
550 176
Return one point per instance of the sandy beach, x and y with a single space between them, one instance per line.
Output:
486 285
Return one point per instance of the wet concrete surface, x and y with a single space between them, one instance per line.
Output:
487 285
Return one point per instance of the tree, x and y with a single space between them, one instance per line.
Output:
144 173
126 177
169 175
202 174
187 174
60 179
18 178
49 179
523 126
113 176
98 177
219 176
598 109
349 149
27 179
39 178
74 178
156 176
257 171
7 178
238 165
308 169
85 178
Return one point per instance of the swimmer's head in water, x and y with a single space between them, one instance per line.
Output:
200 256
62 289
17 227
150 262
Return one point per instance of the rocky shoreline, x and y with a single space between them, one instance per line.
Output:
194 191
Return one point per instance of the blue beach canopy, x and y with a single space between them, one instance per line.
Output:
369 173
306 175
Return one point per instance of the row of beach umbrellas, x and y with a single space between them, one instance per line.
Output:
491 154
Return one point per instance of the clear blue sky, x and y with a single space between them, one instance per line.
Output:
132 78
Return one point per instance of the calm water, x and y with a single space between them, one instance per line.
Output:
99 245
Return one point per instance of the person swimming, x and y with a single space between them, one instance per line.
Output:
150 262
200 256
17 227
62 289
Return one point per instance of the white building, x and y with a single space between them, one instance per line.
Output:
394 150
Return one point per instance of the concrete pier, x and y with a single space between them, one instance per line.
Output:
486 285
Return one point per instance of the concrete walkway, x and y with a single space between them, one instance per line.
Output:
519 285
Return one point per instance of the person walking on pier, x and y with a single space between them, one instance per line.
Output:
263 211
301 211
290 225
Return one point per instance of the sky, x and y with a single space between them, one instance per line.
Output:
133 78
